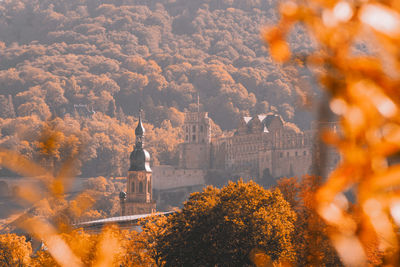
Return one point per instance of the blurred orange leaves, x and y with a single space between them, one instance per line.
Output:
56 185
53 218
363 87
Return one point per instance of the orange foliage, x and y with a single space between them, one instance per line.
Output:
311 239
14 250
111 247
85 52
51 219
226 226
363 90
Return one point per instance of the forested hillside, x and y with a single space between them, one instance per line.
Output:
58 56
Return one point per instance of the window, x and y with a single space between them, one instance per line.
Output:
194 137
287 154
187 129
296 153
194 128
187 137
133 187
304 153
201 128
280 154
140 187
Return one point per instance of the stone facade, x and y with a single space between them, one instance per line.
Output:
167 176
262 148
173 185
194 152
261 145
139 193
265 145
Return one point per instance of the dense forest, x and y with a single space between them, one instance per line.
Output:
72 74
87 64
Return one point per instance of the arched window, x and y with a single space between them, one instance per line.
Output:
133 187
140 187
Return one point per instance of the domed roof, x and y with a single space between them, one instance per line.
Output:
140 160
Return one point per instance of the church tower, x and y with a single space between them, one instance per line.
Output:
138 198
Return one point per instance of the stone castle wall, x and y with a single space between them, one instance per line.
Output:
262 147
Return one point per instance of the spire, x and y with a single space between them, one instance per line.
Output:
139 131
140 158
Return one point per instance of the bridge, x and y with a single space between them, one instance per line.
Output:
129 222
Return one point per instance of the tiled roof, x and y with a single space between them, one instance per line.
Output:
265 119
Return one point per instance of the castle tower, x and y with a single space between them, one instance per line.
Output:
138 198
194 152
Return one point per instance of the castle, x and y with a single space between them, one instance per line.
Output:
262 148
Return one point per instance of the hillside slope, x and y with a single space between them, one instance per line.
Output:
111 55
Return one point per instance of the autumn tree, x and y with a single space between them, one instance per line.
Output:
168 51
221 227
14 250
51 220
55 55
311 239
153 229
110 247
